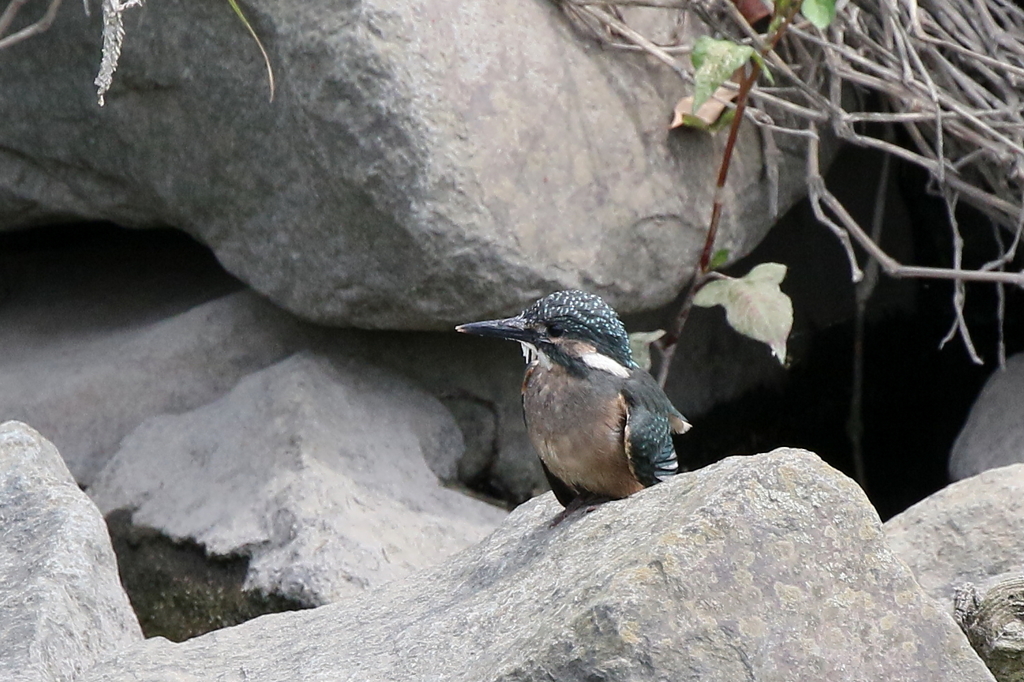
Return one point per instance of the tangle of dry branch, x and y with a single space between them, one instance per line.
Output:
949 72
35 28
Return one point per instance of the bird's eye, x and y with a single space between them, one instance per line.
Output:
555 330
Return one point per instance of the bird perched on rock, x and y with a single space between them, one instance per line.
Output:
602 425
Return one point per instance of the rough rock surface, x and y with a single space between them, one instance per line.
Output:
967 532
994 433
423 163
62 608
102 327
992 616
478 381
771 568
180 592
316 471
86 390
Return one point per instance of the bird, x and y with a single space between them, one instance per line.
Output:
601 425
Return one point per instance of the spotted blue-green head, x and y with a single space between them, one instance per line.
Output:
569 327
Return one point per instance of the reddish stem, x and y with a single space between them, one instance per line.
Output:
667 344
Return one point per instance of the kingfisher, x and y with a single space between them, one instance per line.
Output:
602 425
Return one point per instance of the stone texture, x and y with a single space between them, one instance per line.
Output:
479 382
316 471
422 164
966 532
86 389
772 568
62 608
102 328
992 616
180 592
994 433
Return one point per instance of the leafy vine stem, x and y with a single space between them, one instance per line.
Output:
781 20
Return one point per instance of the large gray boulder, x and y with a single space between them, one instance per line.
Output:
62 608
772 567
994 433
315 471
422 164
969 531
86 389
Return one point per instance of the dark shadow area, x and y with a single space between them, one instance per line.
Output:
177 591
916 396
98 276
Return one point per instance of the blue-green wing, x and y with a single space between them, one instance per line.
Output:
650 423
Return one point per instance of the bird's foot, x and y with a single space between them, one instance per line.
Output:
594 504
583 503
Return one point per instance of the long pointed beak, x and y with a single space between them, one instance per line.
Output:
511 328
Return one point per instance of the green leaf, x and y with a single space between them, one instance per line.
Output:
722 121
819 12
691 121
715 61
640 346
754 305
718 259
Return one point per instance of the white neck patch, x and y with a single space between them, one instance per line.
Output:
532 355
604 363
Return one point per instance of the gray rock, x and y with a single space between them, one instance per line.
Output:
967 532
992 617
62 605
772 568
92 346
87 388
994 433
478 381
423 163
316 472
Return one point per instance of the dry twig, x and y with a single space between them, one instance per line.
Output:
36 27
949 72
